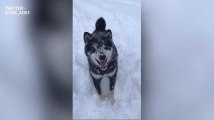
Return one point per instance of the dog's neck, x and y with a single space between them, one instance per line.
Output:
115 54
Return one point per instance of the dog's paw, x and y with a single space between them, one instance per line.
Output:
111 97
102 98
112 101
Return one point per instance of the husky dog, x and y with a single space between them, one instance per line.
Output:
102 57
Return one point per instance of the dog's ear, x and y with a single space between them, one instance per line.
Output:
108 34
87 37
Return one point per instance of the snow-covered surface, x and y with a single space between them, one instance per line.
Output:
123 17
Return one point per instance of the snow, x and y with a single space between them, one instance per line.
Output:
123 18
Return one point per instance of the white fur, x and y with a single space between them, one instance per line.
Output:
100 51
108 54
94 58
111 73
98 76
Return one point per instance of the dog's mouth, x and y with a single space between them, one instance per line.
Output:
102 64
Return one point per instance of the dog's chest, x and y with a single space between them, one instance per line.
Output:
104 85
99 76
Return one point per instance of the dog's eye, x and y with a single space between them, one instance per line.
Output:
99 46
106 47
95 43
108 44
92 50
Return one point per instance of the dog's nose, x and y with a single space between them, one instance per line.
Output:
102 57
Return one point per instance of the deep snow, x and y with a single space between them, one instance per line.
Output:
123 17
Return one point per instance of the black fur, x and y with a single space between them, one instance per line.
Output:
100 24
101 37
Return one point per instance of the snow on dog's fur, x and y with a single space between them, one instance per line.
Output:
102 57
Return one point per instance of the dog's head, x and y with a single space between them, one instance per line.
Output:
99 47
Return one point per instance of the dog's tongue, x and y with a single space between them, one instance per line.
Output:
103 63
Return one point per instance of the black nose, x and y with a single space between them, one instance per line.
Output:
102 57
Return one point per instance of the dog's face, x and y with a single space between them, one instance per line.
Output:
99 47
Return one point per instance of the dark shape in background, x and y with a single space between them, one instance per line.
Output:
51 26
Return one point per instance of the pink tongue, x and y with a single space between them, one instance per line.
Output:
103 63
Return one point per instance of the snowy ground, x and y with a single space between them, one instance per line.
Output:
123 18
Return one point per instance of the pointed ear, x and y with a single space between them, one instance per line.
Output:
87 37
108 33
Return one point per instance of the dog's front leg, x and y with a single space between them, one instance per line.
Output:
112 85
97 86
111 96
